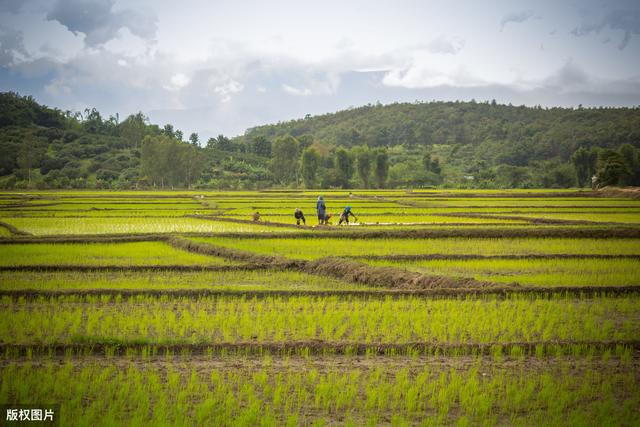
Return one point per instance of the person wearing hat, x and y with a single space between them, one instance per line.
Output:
345 215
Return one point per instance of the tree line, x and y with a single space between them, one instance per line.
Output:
468 145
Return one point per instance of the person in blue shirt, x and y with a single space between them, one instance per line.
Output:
344 217
322 210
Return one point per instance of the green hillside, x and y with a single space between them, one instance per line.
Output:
475 144
452 144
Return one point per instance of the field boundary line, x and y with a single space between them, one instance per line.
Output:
349 270
618 232
13 230
27 205
572 292
110 348
531 220
95 238
274 261
435 257
621 232
131 268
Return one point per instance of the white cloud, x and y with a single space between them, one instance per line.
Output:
296 91
242 76
228 89
446 45
177 82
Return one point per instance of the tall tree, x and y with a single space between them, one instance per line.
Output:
284 160
192 163
262 146
381 170
224 143
611 168
310 163
30 155
431 163
133 129
194 138
344 166
584 163
363 164
631 156
168 130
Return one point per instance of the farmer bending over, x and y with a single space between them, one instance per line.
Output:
322 210
256 216
345 215
299 216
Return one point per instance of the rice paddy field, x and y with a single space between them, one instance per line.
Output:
430 307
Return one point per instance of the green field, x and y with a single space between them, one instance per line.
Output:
435 308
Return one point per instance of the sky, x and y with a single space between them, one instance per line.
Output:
220 67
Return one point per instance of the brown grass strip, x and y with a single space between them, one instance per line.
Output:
345 269
572 292
615 232
315 347
251 258
353 271
462 257
391 277
611 232
625 192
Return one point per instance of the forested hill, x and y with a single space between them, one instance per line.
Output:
452 144
482 144
537 131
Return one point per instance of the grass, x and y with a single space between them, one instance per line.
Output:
113 213
167 280
153 320
622 217
61 226
393 219
319 247
513 202
136 253
533 371
541 272
292 392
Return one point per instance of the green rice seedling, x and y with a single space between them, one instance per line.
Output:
319 247
536 202
62 226
541 272
366 219
99 213
210 320
235 280
89 254
621 217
